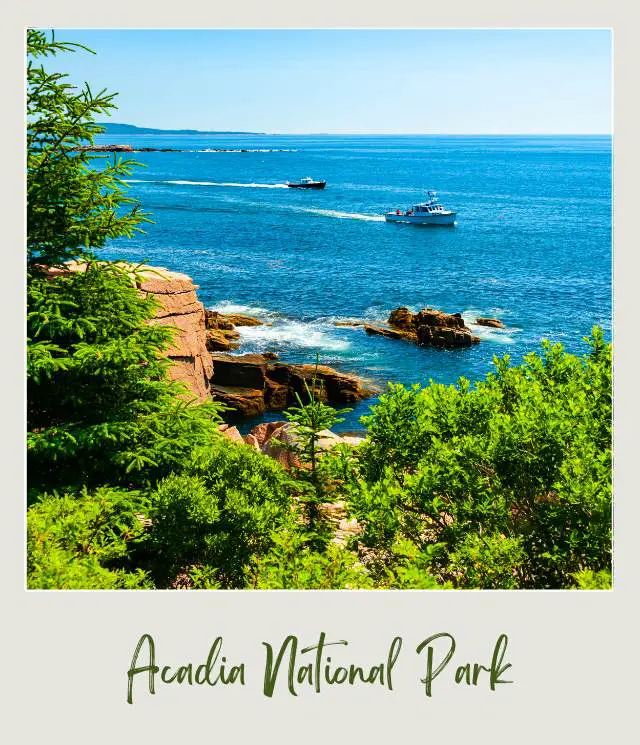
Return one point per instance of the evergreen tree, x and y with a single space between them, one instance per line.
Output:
100 408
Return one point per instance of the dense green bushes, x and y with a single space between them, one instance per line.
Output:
505 484
225 508
76 541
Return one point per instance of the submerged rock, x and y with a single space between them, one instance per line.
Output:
492 322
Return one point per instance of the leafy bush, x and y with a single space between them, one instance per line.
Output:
507 484
221 512
293 565
587 579
75 541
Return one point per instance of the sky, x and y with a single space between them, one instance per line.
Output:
429 81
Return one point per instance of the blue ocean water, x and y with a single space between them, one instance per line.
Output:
532 244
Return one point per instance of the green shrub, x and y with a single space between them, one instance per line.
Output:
220 512
293 565
587 579
76 541
508 483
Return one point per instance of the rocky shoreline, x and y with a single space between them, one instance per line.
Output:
249 385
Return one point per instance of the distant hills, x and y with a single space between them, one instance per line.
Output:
111 128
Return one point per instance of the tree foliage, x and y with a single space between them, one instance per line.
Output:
75 199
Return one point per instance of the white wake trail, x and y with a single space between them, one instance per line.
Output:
206 183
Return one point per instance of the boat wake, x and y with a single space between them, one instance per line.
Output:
341 215
243 150
206 183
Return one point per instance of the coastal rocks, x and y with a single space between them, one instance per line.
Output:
281 446
221 329
262 432
245 371
231 433
279 441
428 327
221 341
331 386
438 329
103 149
385 331
402 318
239 319
492 322
245 401
253 383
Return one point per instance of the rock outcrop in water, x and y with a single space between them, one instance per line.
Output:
428 328
251 384
492 322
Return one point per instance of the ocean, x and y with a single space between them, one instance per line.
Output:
532 244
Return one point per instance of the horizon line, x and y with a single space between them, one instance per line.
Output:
194 132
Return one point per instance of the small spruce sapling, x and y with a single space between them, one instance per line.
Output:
309 420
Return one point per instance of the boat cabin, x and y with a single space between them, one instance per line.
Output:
428 207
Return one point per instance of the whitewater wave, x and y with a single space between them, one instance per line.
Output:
487 333
286 333
280 333
205 183
228 306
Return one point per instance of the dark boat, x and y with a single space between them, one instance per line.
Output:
306 183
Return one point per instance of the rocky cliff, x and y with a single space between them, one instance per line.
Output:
247 384
180 307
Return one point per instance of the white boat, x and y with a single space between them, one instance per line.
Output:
430 212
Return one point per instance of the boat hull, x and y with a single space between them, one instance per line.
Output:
315 185
448 218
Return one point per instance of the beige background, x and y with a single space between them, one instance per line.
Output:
574 655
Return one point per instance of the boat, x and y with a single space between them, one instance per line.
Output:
306 183
430 212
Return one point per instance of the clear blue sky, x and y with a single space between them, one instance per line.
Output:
387 81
